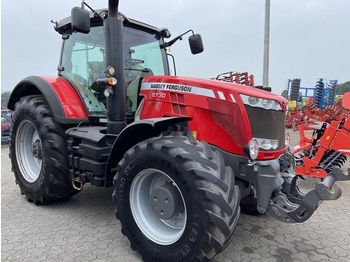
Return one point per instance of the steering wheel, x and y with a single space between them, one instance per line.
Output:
132 62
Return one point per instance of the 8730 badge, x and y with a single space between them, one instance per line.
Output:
158 95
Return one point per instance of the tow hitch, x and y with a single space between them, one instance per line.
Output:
290 205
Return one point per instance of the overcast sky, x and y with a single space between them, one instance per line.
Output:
309 39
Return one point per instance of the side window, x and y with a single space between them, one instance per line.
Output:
87 61
84 63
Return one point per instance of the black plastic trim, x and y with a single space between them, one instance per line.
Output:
136 132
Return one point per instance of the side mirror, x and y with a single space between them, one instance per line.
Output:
346 100
196 44
80 20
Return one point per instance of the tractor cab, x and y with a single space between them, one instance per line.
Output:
83 60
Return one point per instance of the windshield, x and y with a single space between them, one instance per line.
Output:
83 60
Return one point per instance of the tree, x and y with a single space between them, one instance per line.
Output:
285 93
343 88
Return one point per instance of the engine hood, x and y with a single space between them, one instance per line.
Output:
207 87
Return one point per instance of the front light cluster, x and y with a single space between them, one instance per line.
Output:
267 144
261 102
253 146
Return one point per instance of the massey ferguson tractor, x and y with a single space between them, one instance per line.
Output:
183 154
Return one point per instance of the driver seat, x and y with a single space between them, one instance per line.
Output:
96 71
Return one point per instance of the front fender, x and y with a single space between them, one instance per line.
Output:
65 103
136 132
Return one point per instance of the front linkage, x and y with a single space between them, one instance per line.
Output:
290 205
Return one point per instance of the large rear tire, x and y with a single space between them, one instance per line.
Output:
38 152
175 199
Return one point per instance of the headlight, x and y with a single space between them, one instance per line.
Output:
111 71
266 103
274 144
253 100
252 149
259 102
267 144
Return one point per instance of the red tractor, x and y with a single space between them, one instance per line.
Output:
183 154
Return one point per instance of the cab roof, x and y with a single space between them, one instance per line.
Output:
64 25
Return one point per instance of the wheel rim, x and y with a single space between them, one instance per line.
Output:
144 189
28 151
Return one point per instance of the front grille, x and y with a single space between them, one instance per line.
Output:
267 124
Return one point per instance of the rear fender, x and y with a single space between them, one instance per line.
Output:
136 132
65 103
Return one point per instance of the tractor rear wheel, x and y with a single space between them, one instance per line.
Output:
175 199
38 152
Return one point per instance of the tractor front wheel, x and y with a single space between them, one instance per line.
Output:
175 199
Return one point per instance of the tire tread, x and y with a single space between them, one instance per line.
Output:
56 183
214 182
